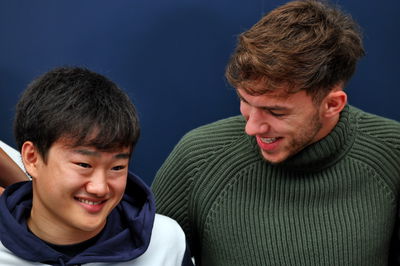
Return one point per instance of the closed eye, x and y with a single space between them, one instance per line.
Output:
276 114
273 113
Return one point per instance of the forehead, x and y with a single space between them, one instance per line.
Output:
279 96
70 144
262 86
245 94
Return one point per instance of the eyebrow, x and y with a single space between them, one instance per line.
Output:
275 108
267 107
124 155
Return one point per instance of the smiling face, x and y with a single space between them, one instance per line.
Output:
283 124
74 190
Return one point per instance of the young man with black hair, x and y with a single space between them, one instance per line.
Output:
301 178
76 131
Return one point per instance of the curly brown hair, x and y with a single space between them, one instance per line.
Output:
303 45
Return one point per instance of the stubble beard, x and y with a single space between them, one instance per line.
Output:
300 142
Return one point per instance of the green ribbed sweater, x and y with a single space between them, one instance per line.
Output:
334 203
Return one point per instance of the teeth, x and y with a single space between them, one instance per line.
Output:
89 202
268 140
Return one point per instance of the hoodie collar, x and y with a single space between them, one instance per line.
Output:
125 237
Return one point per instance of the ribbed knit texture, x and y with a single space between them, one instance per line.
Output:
334 203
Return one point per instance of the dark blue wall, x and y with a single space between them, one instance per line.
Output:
170 57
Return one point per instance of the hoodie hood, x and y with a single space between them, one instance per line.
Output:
125 237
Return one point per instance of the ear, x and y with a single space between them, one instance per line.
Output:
31 158
334 102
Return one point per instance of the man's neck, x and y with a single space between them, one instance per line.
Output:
327 127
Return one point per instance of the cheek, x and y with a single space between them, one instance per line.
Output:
71 177
285 126
118 186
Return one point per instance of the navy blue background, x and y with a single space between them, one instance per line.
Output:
170 58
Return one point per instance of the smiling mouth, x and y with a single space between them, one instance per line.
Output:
90 202
269 140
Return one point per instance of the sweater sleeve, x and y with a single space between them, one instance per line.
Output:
175 185
386 132
172 187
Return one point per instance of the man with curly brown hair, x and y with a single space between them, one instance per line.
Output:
301 178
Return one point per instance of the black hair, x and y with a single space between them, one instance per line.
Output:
78 104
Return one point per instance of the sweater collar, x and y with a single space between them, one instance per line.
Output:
326 151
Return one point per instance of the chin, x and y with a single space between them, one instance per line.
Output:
274 159
92 227
92 223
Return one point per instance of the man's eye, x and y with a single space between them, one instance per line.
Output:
276 114
84 165
273 113
119 167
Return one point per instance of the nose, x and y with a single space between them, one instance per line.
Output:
256 122
97 184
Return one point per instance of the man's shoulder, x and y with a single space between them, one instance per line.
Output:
167 228
378 128
221 130
167 245
367 117
228 122
203 141
7 257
